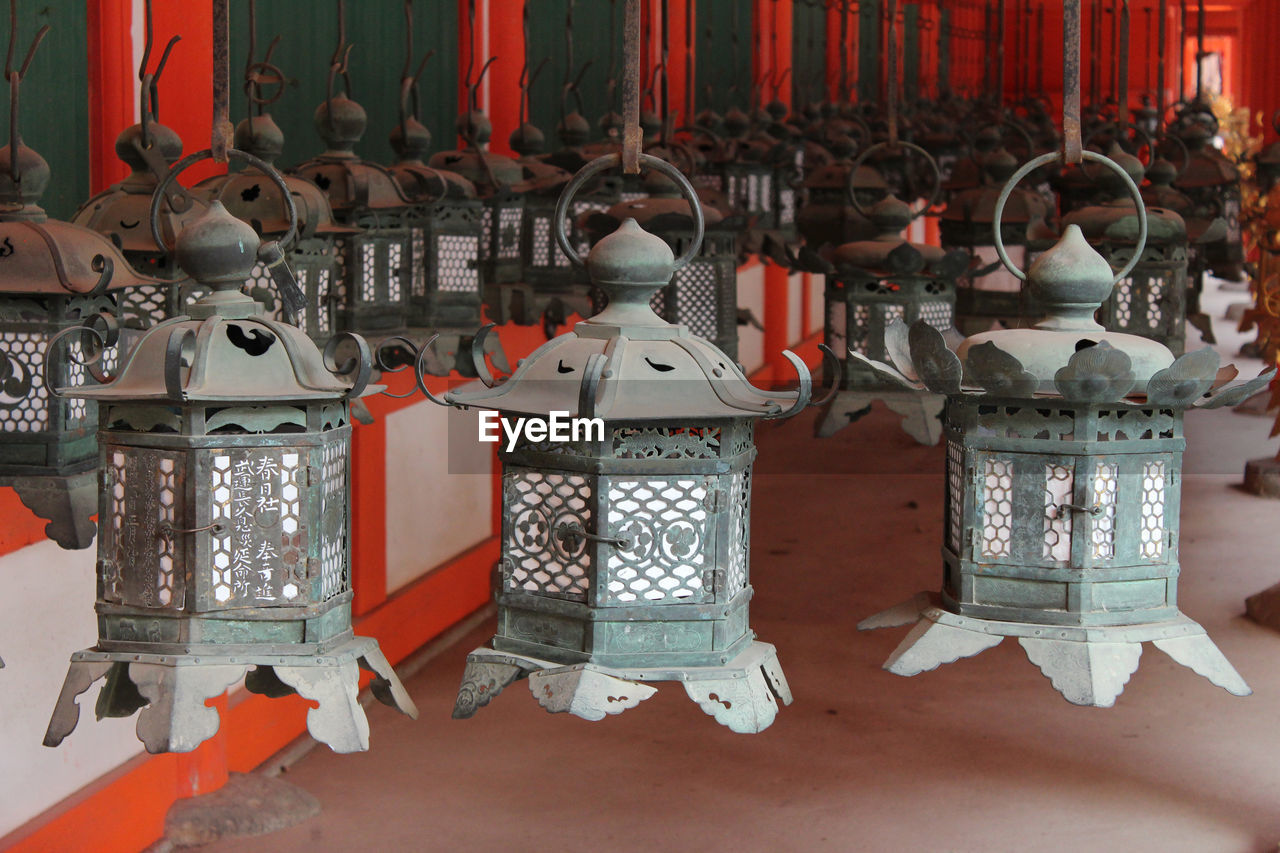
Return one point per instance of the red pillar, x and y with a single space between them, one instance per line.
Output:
186 91
506 41
780 49
369 515
111 89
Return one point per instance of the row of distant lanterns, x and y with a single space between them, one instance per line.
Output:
222 449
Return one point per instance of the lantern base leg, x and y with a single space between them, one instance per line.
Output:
921 412
742 694
67 502
1088 666
1262 478
169 692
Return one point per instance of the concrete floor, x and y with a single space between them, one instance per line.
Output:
979 755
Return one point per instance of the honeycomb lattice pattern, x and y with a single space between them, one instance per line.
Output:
997 507
1155 293
418 250
786 206
543 555
25 352
1124 302
1103 537
658 302
509 232
1059 483
456 256
860 328
220 473
395 271
290 510
1151 537
143 304
541 241
695 286
323 324
368 272
342 252
77 375
246 549
936 314
166 479
955 484
486 233
667 529
740 531
333 554
112 581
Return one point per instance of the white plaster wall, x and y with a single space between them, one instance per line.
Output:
46 613
817 306
751 296
795 308
439 492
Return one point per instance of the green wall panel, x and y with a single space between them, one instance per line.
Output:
375 28
870 18
728 74
808 52
596 38
54 104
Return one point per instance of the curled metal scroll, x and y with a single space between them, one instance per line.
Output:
610 161
104 338
832 361
419 365
933 164
360 366
803 393
1052 157
477 356
236 154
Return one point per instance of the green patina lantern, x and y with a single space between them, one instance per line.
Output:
225 545
625 552
1063 471
875 283
1212 182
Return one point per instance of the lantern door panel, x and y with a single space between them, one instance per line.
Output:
545 551
668 534
142 512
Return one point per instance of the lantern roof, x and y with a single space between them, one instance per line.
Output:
889 251
627 363
225 350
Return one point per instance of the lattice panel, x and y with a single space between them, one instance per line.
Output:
258 510
1124 302
456 257
486 233
1102 538
27 412
342 252
395 271
669 534
112 581
144 304
323 324
753 193
1151 536
666 443
936 314
786 206
333 552
997 507
509 232
1059 484
955 493
368 272
695 286
766 192
542 554
167 487
541 241
740 529
77 375
1155 294
418 247
860 328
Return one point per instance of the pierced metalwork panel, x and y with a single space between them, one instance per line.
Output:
366 273
1059 486
739 557
1152 532
666 443
418 247
544 515
541 249
697 299
334 578
997 507
144 304
24 406
937 314
509 217
457 256
260 544
1103 493
141 561
670 532
786 206
955 494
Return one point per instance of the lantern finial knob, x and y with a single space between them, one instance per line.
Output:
341 123
891 214
26 192
260 136
217 249
629 266
1071 280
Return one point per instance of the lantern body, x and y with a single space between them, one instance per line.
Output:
446 285
749 186
225 541
828 217
1212 182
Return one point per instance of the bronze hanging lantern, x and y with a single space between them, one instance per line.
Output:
625 552
225 546
828 217
55 276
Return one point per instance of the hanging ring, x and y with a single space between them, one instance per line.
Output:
933 164
1052 157
610 161
234 154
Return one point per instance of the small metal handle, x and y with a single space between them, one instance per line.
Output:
235 154
1092 510
1052 157
169 529
933 164
565 530
609 161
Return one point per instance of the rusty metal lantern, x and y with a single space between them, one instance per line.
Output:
224 504
873 284
54 275
1151 300
625 554
987 292
828 217
703 294
1213 184
372 291
1063 468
